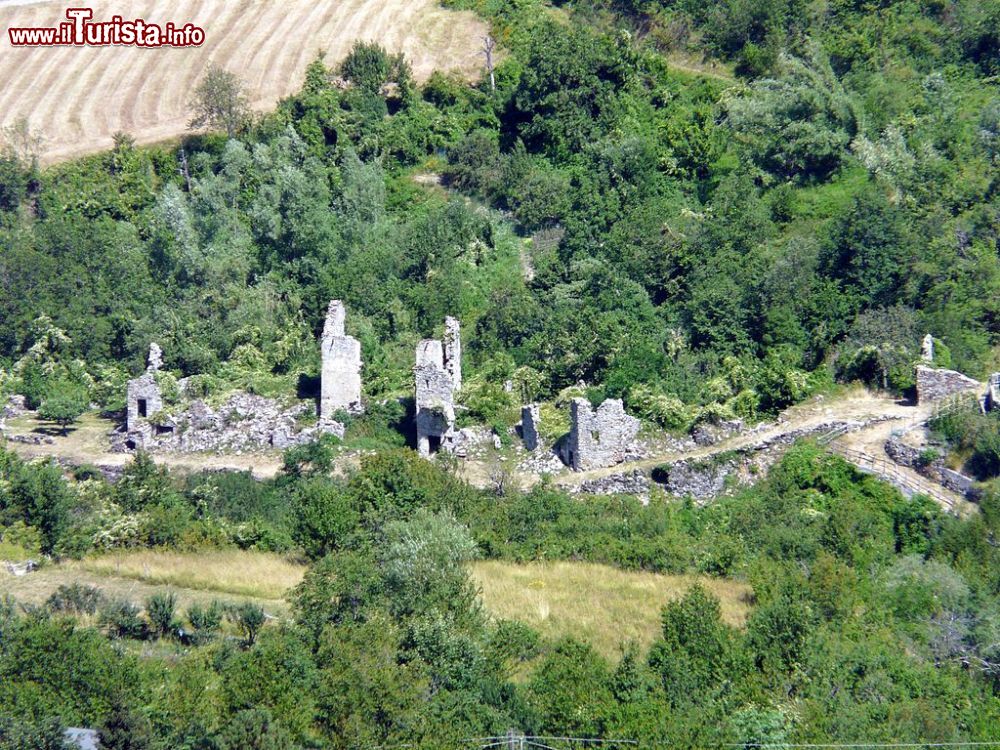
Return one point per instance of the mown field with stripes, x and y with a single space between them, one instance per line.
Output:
79 97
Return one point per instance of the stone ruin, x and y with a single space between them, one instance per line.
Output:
245 421
600 437
242 422
934 384
438 376
530 417
340 388
927 349
993 392
453 351
143 401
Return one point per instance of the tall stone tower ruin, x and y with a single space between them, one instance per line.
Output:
340 388
453 351
438 376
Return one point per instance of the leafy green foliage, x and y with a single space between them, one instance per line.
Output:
699 245
20 735
249 618
161 609
75 598
63 404
799 123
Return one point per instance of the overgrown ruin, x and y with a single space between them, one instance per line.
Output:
438 376
993 392
340 387
600 437
243 421
143 401
530 417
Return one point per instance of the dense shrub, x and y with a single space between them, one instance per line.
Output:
75 598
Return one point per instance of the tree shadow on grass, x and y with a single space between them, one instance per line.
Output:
54 430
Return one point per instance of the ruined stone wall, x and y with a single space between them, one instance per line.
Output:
936 470
437 376
242 422
143 401
530 417
701 480
936 384
340 388
599 437
633 482
452 344
927 349
993 392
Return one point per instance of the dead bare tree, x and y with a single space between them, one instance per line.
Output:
184 168
489 45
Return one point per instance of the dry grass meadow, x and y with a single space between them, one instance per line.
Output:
80 97
596 603
606 606
228 575
256 575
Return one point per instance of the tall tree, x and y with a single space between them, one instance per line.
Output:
220 102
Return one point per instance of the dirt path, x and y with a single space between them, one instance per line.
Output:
865 421
859 406
87 443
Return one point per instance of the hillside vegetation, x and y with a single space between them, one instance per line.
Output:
703 246
700 247
79 98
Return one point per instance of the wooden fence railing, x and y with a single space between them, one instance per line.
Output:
886 469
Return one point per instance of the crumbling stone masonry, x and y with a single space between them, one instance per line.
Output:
927 349
438 376
993 392
341 373
453 351
598 437
530 417
936 384
143 401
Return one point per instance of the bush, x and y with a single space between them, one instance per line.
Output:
160 609
23 537
75 598
207 617
249 618
121 619
87 471
985 460
19 735
206 620
667 411
927 457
